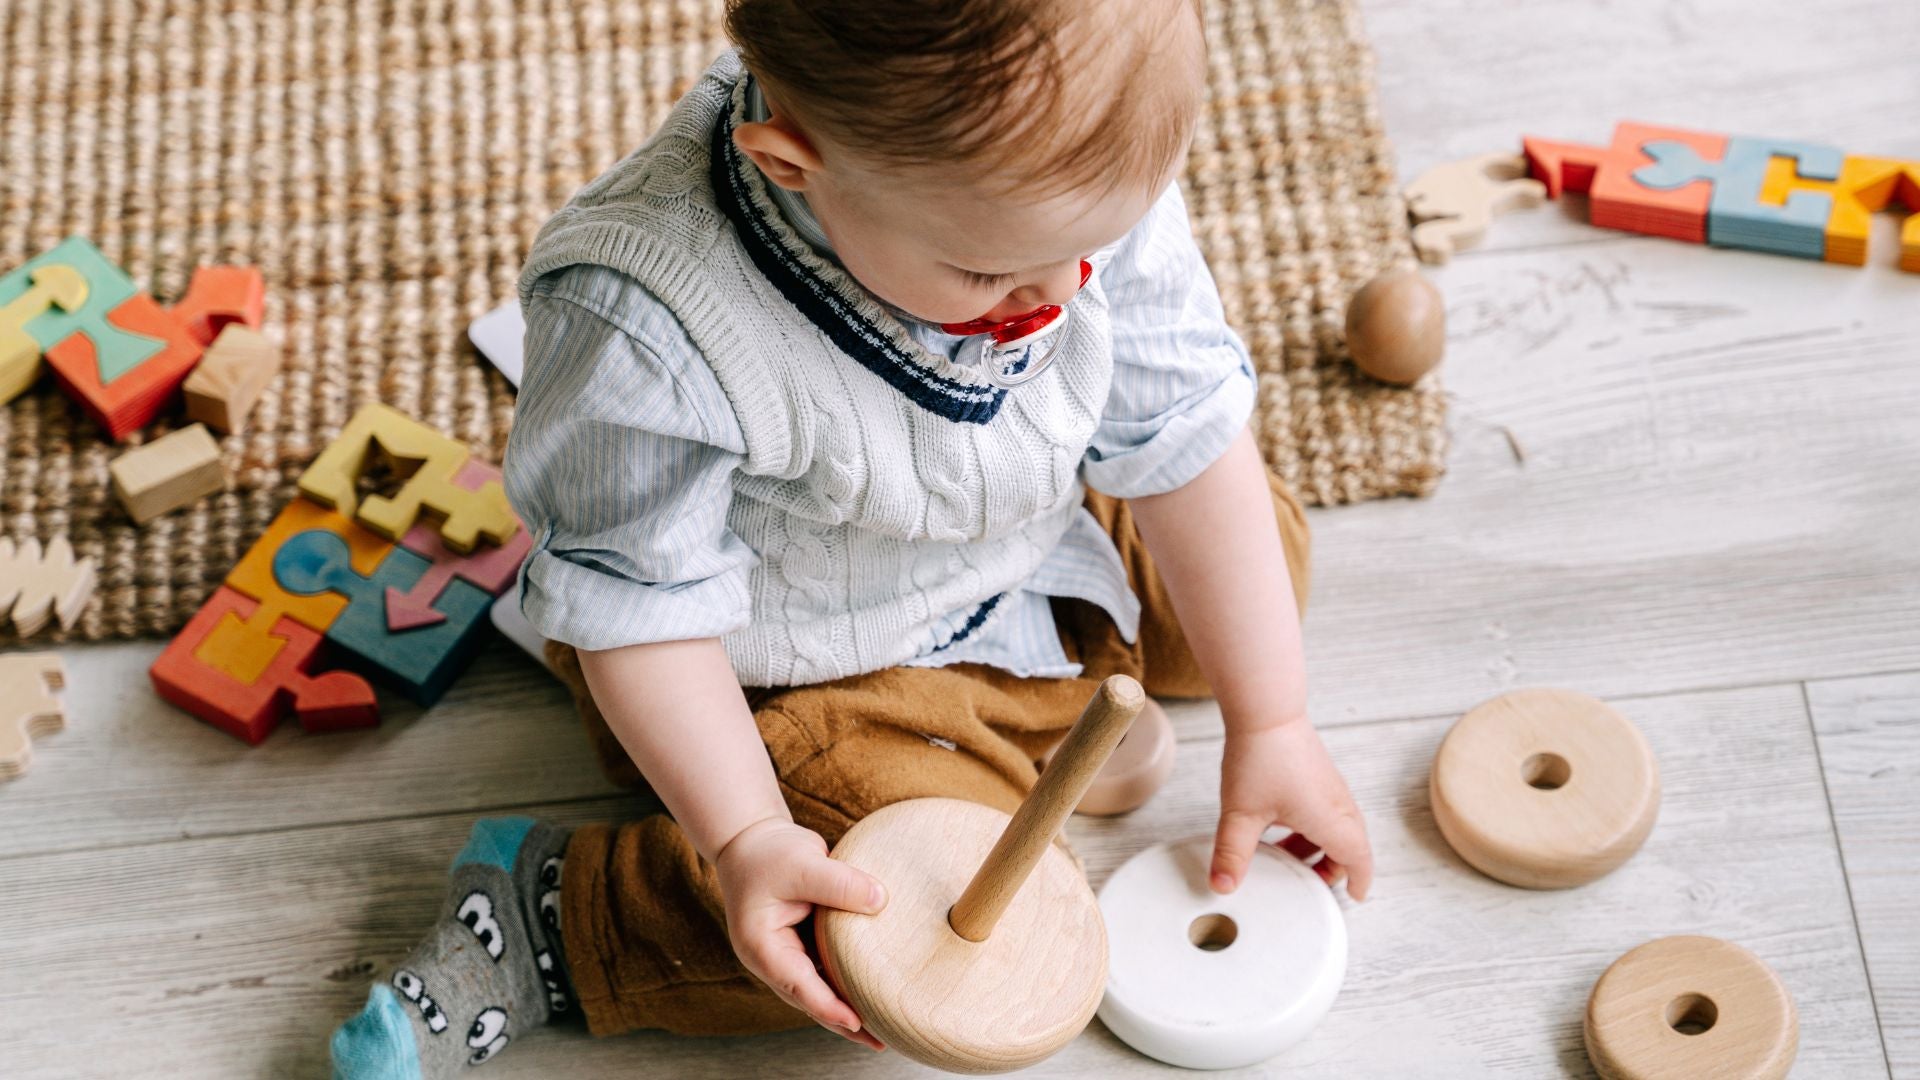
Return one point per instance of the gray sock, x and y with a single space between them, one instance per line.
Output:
490 970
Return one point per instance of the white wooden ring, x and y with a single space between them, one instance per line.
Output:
1545 789
1205 981
1691 1006
1139 765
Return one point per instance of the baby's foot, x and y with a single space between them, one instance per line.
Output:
490 970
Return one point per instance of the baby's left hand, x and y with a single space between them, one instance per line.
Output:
1283 775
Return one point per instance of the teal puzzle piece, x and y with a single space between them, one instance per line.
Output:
119 351
1736 217
422 662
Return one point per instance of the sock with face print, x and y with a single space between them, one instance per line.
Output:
488 972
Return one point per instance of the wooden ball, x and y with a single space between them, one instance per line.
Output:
1397 327
969 1007
1139 765
1691 1007
1545 789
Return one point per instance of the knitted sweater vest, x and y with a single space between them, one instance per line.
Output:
886 489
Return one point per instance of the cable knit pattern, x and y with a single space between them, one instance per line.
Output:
885 486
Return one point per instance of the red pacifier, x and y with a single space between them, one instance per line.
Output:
1008 346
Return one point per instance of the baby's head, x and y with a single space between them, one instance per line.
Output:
963 156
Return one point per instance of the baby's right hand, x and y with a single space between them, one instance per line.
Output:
772 874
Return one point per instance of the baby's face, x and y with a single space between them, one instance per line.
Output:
947 251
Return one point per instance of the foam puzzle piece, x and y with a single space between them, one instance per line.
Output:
107 288
253 575
1864 187
194 673
28 708
37 586
1736 217
49 287
466 515
421 662
219 297
1453 204
138 395
489 569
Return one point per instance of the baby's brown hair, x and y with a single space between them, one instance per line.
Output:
998 87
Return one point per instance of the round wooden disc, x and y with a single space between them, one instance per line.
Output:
974 1007
1691 1006
1545 789
1139 765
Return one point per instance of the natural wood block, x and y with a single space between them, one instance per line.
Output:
37 586
221 391
28 708
1687 1007
168 473
1545 789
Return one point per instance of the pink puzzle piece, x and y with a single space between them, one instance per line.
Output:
489 569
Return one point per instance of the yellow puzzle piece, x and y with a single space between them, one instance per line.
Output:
434 459
1864 187
53 286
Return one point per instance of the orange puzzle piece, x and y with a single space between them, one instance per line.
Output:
1617 200
195 672
219 296
253 575
132 400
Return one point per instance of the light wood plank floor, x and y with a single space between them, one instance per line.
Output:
1712 522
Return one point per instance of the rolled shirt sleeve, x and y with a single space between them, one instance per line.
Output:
621 464
1183 386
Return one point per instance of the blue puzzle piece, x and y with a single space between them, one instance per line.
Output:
1735 216
422 661
119 351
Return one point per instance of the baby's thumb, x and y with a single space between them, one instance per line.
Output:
837 885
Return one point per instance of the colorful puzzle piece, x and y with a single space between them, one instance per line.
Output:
50 286
253 576
490 569
422 662
37 587
28 708
220 296
1864 187
1736 216
1607 176
107 288
131 400
434 459
196 673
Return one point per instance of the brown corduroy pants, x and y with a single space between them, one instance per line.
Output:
641 912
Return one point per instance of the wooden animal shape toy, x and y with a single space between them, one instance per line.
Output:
28 707
1205 981
37 586
1545 789
990 954
1691 1007
1453 204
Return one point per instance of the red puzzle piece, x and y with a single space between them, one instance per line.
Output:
489 569
1618 201
131 401
334 701
219 295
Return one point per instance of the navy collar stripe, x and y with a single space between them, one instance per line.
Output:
828 310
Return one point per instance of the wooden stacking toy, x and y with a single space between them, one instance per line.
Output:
1397 327
1205 981
1139 765
990 954
1545 789
1691 1007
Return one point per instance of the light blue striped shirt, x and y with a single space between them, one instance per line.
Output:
624 450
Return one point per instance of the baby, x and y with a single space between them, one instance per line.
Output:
875 409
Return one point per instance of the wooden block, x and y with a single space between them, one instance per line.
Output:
433 460
219 297
420 662
1453 204
1545 789
194 673
489 569
1691 1007
51 286
221 390
38 586
28 708
170 472
253 576
137 395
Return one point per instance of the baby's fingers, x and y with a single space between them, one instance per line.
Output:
1233 848
836 885
788 971
1344 839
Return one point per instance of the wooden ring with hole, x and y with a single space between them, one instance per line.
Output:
1691 1007
1544 789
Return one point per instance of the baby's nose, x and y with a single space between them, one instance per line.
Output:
1055 286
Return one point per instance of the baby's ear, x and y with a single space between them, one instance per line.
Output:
781 150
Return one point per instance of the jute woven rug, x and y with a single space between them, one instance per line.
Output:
386 162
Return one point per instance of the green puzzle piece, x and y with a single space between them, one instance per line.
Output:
119 351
